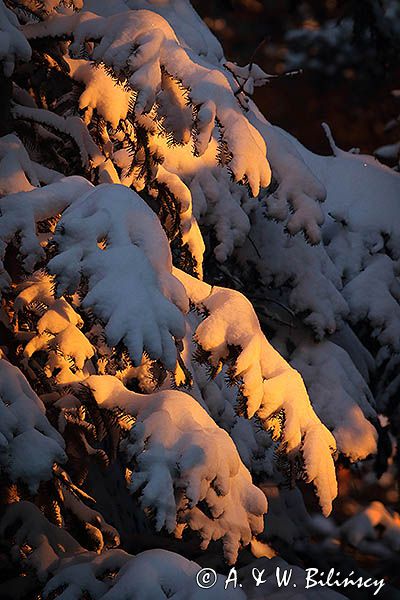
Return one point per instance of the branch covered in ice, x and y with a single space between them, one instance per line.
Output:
115 240
181 459
29 445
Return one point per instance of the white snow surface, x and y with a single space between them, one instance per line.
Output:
339 395
17 173
24 427
158 47
13 44
362 529
21 211
58 331
101 93
145 308
150 575
177 452
269 383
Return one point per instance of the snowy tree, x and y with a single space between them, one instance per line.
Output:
199 315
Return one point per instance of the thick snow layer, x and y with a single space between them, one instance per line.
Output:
101 93
363 197
330 284
300 190
159 574
169 70
181 458
189 227
356 187
57 331
339 395
188 106
38 288
220 400
189 28
13 45
17 173
23 428
158 47
114 239
217 201
382 308
150 575
21 211
269 384
306 273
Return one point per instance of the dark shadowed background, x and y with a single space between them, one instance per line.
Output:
348 51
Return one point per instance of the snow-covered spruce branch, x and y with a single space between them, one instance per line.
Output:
47 541
23 427
72 126
180 459
57 331
71 570
153 45
109 226
17 173
134 261
268 383
21 211
142 577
